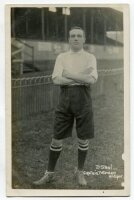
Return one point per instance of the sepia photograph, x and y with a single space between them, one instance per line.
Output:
67 100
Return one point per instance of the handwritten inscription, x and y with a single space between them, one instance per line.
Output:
104 170
104 167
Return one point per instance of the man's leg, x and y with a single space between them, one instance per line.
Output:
82 152
84 127
55 150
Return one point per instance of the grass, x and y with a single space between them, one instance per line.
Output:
31 139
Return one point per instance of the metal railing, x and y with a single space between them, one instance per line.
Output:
34 95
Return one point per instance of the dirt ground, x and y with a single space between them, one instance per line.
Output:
104 167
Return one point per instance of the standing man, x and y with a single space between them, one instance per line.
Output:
74 71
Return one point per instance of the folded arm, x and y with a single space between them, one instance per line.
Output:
62 76
60 80
87 76
81 78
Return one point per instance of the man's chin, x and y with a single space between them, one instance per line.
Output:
76 48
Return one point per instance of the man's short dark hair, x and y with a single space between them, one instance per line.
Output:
77 27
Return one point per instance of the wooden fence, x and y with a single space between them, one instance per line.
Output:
34 95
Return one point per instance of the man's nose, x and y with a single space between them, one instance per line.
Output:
76 38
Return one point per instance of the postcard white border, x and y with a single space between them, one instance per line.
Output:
61 192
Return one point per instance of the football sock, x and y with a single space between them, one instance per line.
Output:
53 157
82 152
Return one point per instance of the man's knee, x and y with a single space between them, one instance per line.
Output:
56 143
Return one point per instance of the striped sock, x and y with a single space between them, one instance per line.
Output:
53 157
82 152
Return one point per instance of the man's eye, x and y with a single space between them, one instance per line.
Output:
79 36
72 36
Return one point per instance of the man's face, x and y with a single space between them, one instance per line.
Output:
76 39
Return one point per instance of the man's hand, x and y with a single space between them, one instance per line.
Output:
65 73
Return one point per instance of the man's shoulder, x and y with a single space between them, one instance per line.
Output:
89 56
87 53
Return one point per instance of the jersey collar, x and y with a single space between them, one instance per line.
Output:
78 52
